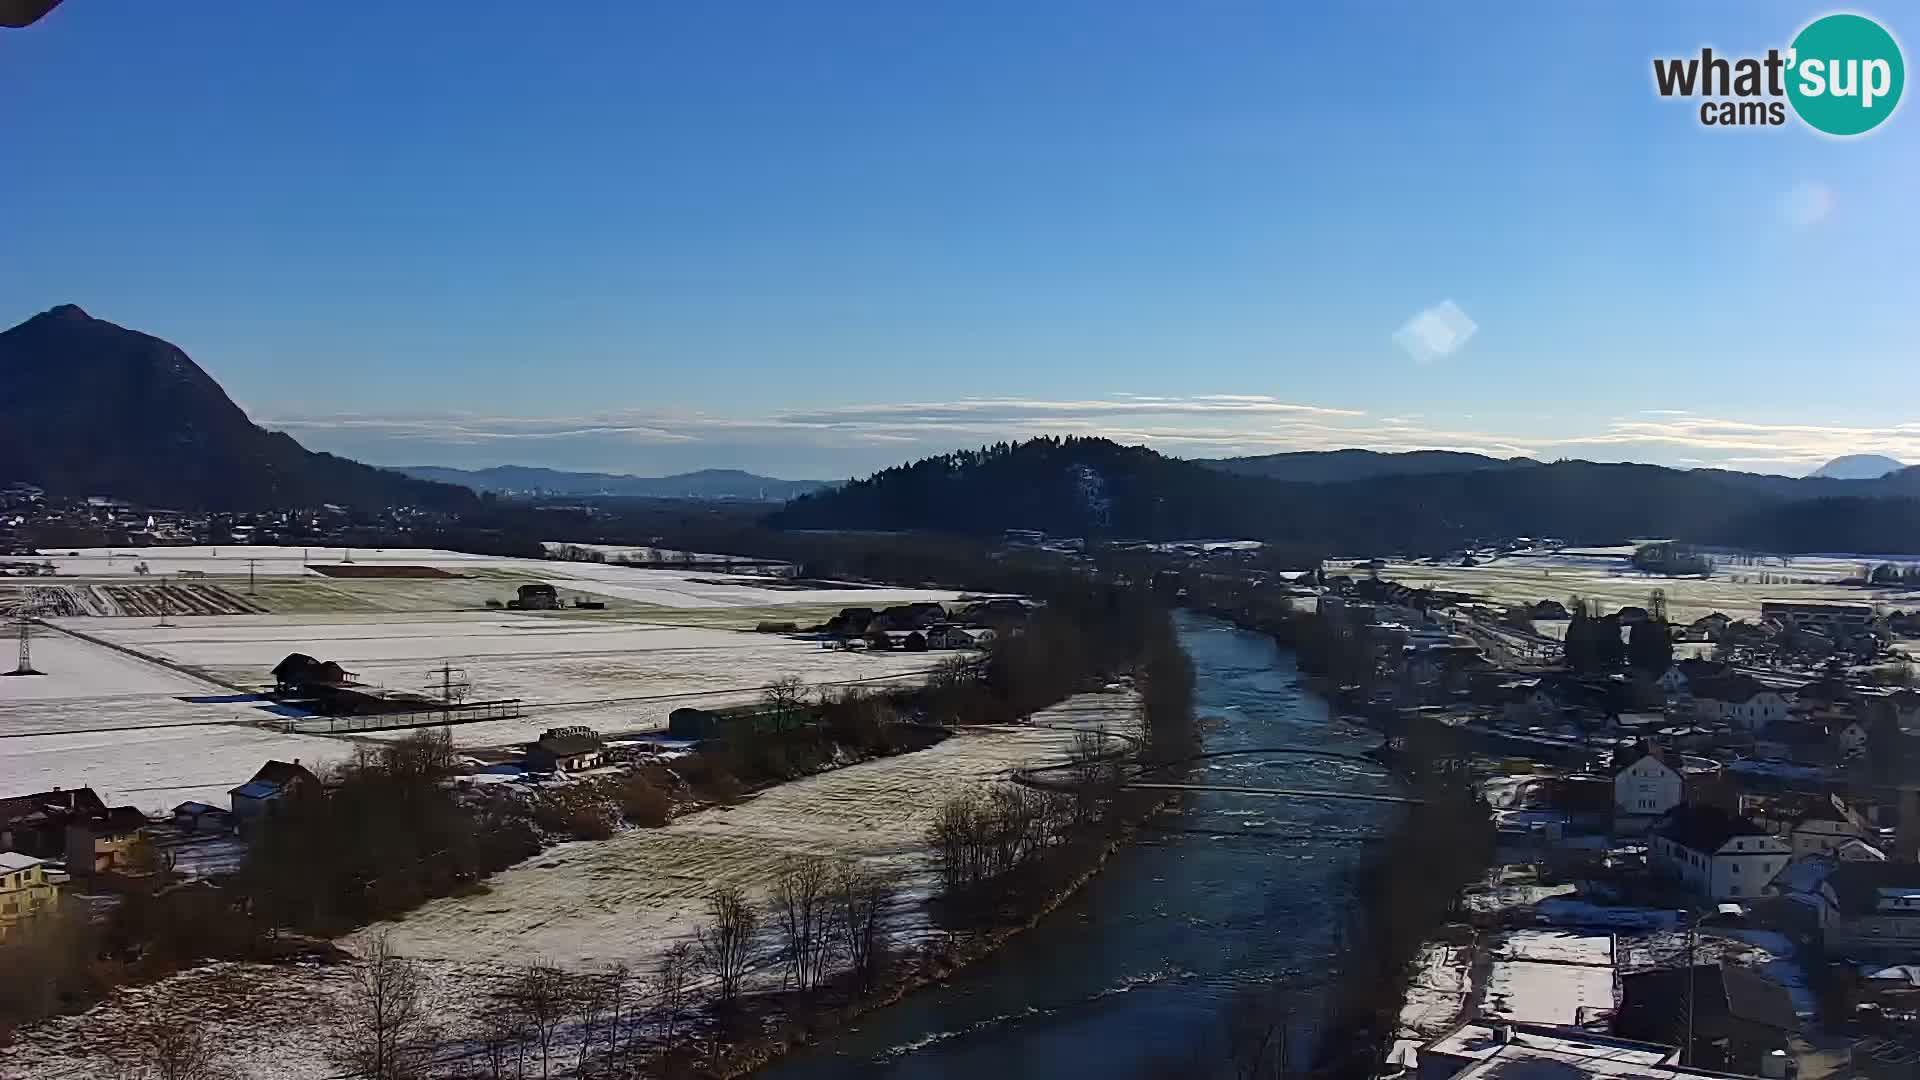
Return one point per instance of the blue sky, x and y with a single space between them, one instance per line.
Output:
815 239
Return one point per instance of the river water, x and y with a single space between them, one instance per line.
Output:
1227 891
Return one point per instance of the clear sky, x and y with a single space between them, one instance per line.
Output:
813 239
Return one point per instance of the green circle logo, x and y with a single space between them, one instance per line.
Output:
1845 74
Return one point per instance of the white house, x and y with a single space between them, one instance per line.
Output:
1718 855
1739 700
1827 826
1646 786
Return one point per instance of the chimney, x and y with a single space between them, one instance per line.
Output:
1503 1032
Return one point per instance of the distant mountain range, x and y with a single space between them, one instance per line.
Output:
91 408
1093 487
1858 467
728 484
1337 466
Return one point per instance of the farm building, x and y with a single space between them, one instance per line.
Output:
300 673
36 823
692 723
536 596
568 749
256 800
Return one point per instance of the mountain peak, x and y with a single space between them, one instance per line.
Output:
91 408
1858 467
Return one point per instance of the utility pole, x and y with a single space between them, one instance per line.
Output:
1693 976
163 601
26 614
250 565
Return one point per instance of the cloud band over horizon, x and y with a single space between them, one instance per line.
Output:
854 439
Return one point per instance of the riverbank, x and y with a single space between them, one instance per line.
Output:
1140 969
583 905
927 969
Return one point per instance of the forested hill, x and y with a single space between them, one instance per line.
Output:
1335 466
1094 487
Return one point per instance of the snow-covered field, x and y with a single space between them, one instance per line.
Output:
614 675
122 726
1735 590
157 733
586 904
286 583
144 733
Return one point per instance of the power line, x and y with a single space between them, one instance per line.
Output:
248 722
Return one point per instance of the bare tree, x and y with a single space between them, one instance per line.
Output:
860 901
785 697
956 831
502 1035
729 940
385 1032
589 1001
542 993
617 981
800 904
173 1052
676 973
1091 766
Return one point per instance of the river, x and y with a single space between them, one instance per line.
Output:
1227 891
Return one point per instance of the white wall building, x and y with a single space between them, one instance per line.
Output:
1827 827
1739 700
1647 787
1718 855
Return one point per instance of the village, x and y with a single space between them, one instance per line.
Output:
1707 841
1706 859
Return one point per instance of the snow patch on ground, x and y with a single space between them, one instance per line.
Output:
585 904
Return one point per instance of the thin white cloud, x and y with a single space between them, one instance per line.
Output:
1209 425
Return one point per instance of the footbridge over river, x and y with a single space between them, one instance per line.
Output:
1142 777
